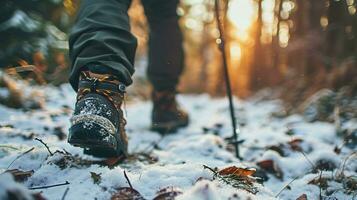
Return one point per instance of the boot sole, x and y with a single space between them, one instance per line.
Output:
95 147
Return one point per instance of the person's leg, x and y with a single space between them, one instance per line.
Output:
101 40
165 64
102 52
165 43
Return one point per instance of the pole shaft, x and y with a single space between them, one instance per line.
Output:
227 79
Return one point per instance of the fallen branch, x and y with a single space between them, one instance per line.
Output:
48 149
48 186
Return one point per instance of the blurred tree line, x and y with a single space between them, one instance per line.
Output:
300 45
297 45
313 46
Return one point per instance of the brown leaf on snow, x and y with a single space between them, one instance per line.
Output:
280 149
237 171
236 177
302 197
19 175
283 149
271 167
295 144
127 193
168 193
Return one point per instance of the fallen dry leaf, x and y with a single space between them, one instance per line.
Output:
295 144
237 171
19 175
127 193
168 193
271 167
236 177
302 197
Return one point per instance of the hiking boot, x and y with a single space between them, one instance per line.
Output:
167 116
97 124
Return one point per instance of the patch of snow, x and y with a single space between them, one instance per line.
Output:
181 156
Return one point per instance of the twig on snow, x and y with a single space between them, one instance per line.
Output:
48 186
48 149
65 193
212 170
127 179
19 156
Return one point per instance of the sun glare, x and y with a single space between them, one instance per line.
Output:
235 52
241 14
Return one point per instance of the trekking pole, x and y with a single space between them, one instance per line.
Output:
221 45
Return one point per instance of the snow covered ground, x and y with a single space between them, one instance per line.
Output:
289 151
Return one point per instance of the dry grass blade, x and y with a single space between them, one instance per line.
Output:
19 156
345 161
294 179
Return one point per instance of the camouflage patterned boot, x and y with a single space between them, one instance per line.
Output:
97 124
167 116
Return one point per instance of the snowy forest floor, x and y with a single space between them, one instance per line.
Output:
292 156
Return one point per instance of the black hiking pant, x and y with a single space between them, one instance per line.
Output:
101 41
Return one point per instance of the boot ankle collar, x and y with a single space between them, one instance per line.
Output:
94 84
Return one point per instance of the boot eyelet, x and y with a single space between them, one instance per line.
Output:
121 87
